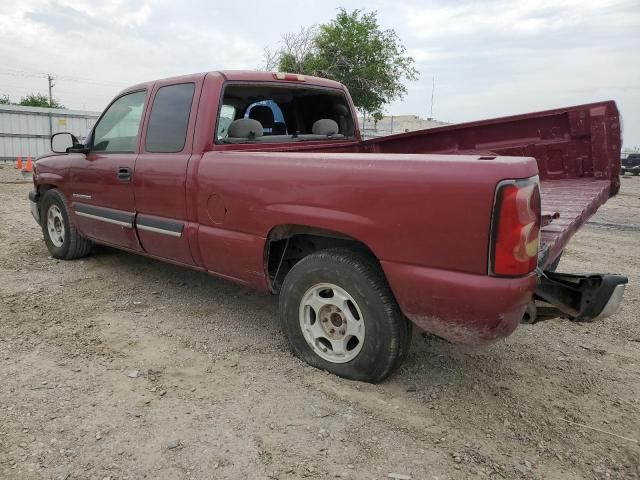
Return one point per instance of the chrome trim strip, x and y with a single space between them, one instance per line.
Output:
614 302
81 195
159 230
104 219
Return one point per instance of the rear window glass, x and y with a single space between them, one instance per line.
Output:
167 130
227 115
272 113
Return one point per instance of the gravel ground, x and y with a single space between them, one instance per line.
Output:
121 367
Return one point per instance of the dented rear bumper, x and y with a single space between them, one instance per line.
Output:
580 298
461 307
475 309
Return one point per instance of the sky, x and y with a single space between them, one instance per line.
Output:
489 58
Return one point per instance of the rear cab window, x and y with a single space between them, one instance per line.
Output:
273 113
227 115
169 118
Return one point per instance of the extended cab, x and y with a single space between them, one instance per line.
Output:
263 179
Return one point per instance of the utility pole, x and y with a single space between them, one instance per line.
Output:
52 84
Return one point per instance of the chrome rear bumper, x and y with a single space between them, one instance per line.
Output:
613 305
581 298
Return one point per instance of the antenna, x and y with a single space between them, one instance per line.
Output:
433 88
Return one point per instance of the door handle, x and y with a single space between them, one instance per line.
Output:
124 174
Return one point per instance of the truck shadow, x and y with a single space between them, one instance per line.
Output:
442 394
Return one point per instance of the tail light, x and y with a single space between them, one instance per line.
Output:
515 231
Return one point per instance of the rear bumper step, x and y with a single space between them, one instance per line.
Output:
580 298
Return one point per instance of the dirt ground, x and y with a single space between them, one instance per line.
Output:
121 367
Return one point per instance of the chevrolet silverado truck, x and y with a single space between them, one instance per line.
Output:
263 179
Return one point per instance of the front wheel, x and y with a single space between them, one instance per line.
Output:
60 234
339 315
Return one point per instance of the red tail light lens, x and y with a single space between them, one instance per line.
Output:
290 77
516 228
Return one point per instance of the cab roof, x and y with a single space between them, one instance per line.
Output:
247 76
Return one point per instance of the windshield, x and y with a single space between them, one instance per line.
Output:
270 113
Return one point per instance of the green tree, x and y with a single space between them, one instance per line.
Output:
354 50
39 100
4 100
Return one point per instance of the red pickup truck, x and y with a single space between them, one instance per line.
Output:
263 179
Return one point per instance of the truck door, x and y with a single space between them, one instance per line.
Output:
101 181
161 171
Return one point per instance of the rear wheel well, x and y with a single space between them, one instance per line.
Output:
288 244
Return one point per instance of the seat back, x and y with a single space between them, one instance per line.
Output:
262 114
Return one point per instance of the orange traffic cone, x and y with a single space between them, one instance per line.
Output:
29 166
19 163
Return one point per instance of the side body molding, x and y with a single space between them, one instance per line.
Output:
108 215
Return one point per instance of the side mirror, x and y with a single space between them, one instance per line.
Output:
65 142
60 142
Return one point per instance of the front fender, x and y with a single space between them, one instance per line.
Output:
48 178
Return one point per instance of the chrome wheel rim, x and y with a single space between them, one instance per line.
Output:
55 225
332 323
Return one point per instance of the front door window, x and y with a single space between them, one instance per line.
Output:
117 130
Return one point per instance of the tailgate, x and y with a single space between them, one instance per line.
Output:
577 150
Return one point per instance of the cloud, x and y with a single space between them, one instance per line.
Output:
113 43
489 58
498 58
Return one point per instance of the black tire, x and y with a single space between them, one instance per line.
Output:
387 331
73 244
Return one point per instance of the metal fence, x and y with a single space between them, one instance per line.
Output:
25 131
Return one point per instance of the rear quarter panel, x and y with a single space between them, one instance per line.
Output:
426 210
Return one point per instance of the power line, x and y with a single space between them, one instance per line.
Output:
24 73
90 81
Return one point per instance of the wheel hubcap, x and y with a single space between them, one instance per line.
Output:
55 225
332 323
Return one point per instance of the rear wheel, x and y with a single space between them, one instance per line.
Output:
339 315
60 234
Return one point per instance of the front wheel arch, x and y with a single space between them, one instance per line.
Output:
73 245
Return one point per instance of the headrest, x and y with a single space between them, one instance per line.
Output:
263 114
341 109
245 128
325 126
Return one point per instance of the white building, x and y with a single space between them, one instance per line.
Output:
26 131
392 124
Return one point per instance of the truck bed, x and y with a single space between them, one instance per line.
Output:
574 201
577 150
